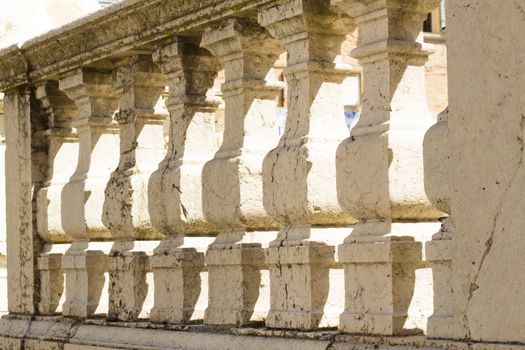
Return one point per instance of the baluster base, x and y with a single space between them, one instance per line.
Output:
380 278
441 323
127 285
299 280
84 282
234 279
51 283
177 285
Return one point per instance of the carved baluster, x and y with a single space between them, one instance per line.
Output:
63 153
233 179
380 167
62 160
83 196
138 84
439 250
299 175
175 201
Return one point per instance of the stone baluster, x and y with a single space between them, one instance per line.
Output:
138 84
62 140
299 174
175 197
232 181
439 249
98 155
59 111
380 167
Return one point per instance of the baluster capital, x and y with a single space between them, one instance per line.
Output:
184 54
310 30
389 29
138 82
292 18
92 92
239 35
359 8
189 69
59 109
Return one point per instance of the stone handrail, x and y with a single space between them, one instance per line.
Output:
129 25
317 227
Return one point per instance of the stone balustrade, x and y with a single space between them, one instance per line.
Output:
310 227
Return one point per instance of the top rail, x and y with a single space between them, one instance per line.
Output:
108 33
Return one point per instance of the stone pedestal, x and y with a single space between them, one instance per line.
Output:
234 279
85 279
379 282
302 269
440 253
127 283
177 284
51 283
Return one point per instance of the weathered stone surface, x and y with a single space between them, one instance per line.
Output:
3 259
59 111
380 167
298 175
96 37
98 152
486 78
394 182
51 283
127 283
232 181
439 251
138 84
84 275
175 203
71 335
175 189
25 168
83 195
